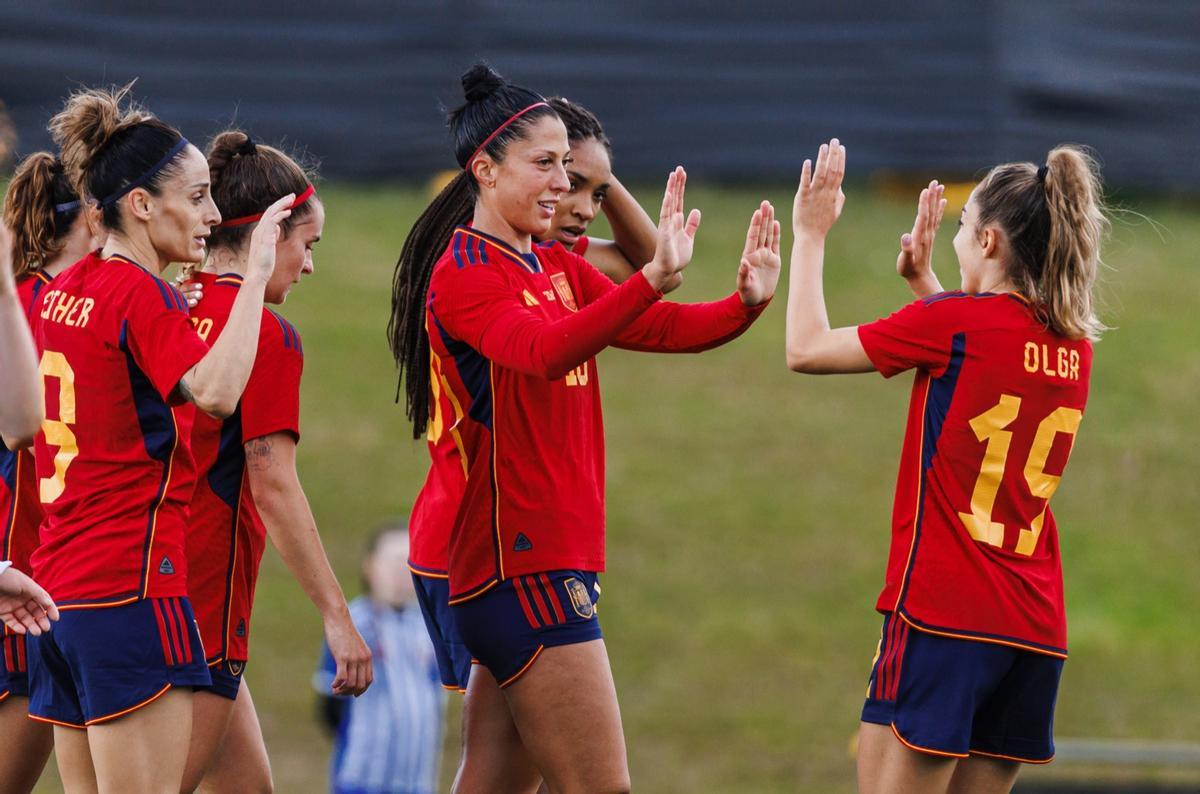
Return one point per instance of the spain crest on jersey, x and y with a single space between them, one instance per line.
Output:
563 288
581 601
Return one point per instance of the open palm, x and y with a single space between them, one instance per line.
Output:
676 236
758 272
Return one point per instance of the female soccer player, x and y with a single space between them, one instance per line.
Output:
49 233
119 357
497 338
247 486
963 687
594 187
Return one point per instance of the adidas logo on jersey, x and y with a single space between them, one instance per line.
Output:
522 543
165 567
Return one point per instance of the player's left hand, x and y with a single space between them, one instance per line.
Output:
24 606
915 260
819 199
352 656
193 291
758 273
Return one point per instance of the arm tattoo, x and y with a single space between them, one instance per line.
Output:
260 455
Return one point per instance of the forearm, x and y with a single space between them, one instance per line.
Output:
290 524
689 328
20 391
217 381
812 346
633 230
924 285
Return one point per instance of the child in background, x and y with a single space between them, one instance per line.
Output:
388 740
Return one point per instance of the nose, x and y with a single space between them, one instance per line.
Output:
213 216
561 182
585 209
308 263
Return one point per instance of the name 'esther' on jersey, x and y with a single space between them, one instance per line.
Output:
513 339
995 407
114 469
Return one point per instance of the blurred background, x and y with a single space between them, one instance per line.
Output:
748 507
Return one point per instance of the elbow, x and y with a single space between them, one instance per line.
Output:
217 403
20 433
18 441
799 359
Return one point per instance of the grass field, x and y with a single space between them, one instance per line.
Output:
748 507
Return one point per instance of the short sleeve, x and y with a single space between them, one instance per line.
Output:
271 401
918 336
158 333
581 246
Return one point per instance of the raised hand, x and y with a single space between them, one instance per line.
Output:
819 198
24 606
265 236
676 237
758 272
915 261
7 287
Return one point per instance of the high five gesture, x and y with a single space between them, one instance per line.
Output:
676 237
758 272
915 262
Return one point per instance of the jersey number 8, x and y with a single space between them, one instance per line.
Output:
58 431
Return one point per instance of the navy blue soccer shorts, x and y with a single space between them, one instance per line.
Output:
226 678
14 667
101 663
453 658
508 626
957 697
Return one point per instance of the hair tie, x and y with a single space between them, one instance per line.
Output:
1041 174
67 206
141 180
500 129
242 221
247 147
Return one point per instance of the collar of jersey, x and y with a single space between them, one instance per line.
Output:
229 279
526 261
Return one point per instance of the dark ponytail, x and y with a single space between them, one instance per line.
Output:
40 209
491 102
246 178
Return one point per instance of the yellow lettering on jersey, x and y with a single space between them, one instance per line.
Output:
1063 363
58 432
79 314
578 376
59 307
549 293
203 326
529 299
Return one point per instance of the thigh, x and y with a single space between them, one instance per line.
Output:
241 763
74 758
493 759
565 708
887 766
27 745
979 775
211 714
145 750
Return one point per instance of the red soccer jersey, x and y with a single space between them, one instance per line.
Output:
513 339
20 509
115 472
995 408
226 536
581 246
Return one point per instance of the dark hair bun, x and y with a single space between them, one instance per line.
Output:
481 81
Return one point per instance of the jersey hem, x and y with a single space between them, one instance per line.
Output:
994 639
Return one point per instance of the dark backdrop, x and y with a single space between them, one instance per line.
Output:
734 90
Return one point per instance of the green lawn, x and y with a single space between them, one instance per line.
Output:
748 507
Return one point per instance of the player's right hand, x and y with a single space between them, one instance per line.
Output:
24 606
819 199
264 237
915 260
676 237
352 656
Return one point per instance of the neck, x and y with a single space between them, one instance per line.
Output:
139 249
491 222
67 257
224 260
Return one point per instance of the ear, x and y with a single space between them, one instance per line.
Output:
484 171
989 242
140 203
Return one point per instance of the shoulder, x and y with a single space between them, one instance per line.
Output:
277 334
145 287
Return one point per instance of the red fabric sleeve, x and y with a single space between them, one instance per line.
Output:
160 336
581 246
271 402
670 327
918 335
478 306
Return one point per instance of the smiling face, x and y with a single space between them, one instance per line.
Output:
525 187
590 173
180 218
293 254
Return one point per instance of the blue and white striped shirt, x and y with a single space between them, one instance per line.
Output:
390 738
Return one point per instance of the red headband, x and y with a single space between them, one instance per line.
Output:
500 129
242 221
